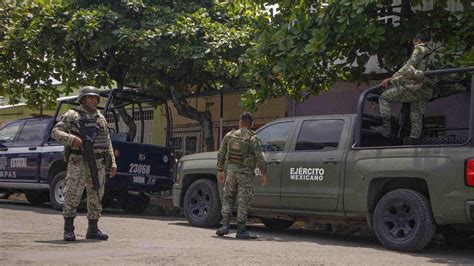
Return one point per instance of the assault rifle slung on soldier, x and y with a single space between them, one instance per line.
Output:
89 129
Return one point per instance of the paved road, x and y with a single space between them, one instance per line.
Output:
34 235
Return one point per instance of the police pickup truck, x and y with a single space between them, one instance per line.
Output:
333 169
33 163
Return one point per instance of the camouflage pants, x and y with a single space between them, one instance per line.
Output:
78 177
403 95
237 188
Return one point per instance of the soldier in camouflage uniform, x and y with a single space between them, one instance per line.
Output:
78 176
408 87
241 152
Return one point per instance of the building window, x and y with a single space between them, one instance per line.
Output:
191 145
177 143
434 125
177 146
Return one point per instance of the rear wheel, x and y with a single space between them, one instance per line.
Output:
136 204
36 197
277 224
56 191
202 204
403 220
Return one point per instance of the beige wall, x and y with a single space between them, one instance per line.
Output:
233 107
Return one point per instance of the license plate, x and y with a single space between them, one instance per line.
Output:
139 179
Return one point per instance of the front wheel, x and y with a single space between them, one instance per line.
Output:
202 204
403 220
56 191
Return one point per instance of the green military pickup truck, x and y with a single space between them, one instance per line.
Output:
335 169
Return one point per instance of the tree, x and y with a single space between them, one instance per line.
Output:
29 66
307 46
170 48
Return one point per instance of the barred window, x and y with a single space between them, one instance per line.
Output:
177 143
191 145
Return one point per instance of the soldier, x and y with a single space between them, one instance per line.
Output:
407 87
67 131
241 152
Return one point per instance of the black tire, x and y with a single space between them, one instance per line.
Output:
136 204
457 238
56 191
36 198
277 224
202 204
403 220
4 194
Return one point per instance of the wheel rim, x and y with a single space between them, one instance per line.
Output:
399 220
59 191
200 203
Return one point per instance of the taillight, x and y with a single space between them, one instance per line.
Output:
470 172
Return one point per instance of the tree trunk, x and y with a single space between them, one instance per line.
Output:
203 118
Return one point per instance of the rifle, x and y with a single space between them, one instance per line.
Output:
88 130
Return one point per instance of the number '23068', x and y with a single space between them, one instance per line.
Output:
136 168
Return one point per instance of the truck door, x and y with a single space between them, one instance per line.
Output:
312 168
8 134
26 150
275 142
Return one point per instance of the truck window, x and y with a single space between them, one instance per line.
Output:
33 131
274 137
9 132
319 135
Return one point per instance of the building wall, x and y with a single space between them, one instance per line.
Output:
341 99
187 134
14 112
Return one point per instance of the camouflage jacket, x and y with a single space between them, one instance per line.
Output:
68 127
241 151
411 74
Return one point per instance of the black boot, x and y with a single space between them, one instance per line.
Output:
69 229
223 230
242 233
93 231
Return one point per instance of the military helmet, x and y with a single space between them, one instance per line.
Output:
88 90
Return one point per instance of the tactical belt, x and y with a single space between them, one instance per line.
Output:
96 155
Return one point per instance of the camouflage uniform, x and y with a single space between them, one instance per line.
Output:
407 87
241 151
78 173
